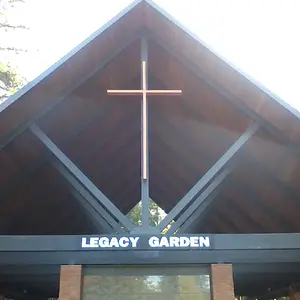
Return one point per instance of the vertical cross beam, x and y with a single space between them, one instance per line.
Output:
144 133
144 92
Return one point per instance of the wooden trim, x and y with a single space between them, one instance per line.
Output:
70 282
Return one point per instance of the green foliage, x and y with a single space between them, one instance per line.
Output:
5 23
156 214
10 81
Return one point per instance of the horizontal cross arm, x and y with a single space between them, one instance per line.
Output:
79 175
148 92
164 92
210 174
125 92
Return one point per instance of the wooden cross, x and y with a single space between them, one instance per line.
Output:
144 92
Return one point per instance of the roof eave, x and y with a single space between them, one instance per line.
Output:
18 95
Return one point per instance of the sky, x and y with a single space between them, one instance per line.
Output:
259 37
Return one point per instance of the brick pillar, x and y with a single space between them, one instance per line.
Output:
222 282
295 295
70 282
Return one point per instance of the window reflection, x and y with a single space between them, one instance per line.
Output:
146 287
154 283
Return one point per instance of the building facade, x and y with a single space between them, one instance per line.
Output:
143 113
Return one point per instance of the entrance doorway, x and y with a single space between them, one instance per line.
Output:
146 283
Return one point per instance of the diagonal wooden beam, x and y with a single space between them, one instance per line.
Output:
54 185
33 167
221 163
200 201
83 179
199 214
96 212
269 209
96 219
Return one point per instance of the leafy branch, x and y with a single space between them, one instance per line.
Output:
14 1
17 50
10 81
9 26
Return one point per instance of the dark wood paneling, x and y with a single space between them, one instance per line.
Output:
187 136
244 92
70 72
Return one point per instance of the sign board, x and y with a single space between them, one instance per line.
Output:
145 242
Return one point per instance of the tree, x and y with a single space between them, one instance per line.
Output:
10 80
4 20
156 214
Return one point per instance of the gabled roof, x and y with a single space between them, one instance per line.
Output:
250 96
68 102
